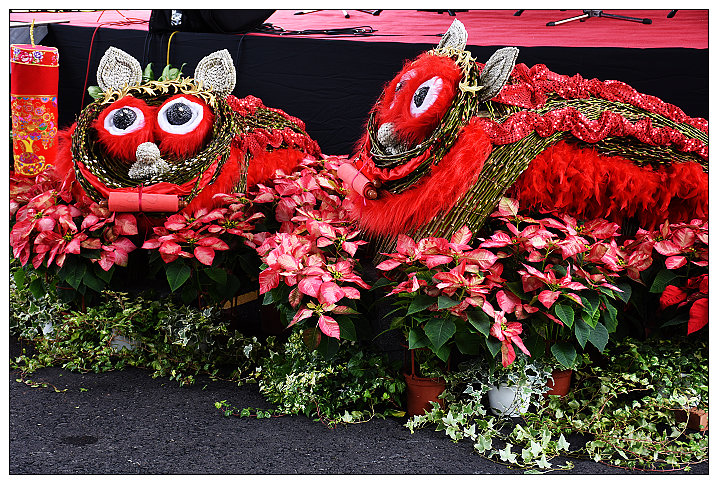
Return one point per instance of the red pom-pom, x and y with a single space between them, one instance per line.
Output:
122 143
191 135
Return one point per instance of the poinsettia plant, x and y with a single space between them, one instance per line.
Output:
310 270
204 257
77 242
529 285
209 255
668 271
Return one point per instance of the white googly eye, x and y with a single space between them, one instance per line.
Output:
180 116
124 120
425 95
402 82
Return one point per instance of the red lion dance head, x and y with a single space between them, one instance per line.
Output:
172 144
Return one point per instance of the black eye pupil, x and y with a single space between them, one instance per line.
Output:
419 95
178 113
124 118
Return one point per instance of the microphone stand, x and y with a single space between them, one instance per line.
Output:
598 13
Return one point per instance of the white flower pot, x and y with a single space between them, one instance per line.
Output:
508 401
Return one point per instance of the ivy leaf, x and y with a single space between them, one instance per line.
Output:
177 274
543 463
507 455
439 331
562 443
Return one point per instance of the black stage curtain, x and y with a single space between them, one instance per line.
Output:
332 84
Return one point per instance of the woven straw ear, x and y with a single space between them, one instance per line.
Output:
118 69
216 72
496 72
454 38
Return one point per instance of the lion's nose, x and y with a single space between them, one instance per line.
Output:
148 152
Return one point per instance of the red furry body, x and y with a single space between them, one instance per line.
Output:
588 185
564 178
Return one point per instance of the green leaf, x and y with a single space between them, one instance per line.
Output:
147 74
565 353
19 277
610 318
177 274
626 294
599 337
417 339
590 303
439 331
443 352
36 288
93 282
165 73
347 330
582 331
565 314
480 321
217 274
95 92
678 320
446 302
268 298
493 345
662 279
419 303
469 343
74 274
103 274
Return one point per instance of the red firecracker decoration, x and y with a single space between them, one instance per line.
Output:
33 99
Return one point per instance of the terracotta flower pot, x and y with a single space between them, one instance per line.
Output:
420 391
561 383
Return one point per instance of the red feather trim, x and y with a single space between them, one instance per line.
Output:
435 194
587 185
263 165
